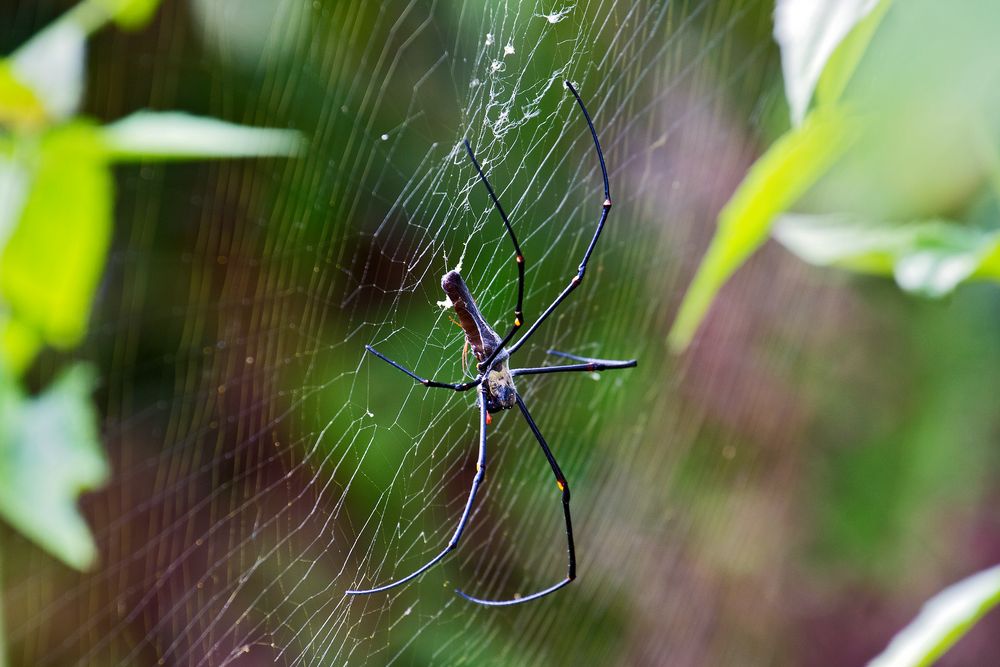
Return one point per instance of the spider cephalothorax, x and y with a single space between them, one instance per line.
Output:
495 380
498 384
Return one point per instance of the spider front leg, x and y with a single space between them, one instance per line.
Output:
591 365
605 209
461 386
453 543
570 546
518 258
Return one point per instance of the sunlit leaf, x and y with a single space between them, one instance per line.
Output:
131 14
20 107
19 343
148 135
942 621
49 454
929 258
845 58
774 183
51 64
14 181
54 257
808 34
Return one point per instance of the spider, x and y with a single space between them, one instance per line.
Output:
495 380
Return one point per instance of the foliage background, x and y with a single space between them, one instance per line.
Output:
788 491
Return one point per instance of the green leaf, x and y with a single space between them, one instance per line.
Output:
944 619
49 454
19 343
51 65
845 58
54 257
20 107
930 258
14 181
808 33
775 182
148 135
131 14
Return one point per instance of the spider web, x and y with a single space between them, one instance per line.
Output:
264 464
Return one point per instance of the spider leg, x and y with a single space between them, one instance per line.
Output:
518 257
591 365
570 547
462 386
605 208
453 543
567 355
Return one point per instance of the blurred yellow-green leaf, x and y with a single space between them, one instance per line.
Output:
808 34
49 454
774 183
19 343
51 65
54 256
13 191
131 14
845 58
927 87
20 107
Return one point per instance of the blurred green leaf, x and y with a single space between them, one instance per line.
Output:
944 619
13 191
53 259
19 343
148 135
20 107
926 89
845 58
929 258
130 14
808 34
51 65
773 184
49 454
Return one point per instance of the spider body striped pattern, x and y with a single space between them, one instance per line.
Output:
498 385
494 380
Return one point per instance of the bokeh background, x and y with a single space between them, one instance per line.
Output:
788 491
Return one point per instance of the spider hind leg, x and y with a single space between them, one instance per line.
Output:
462 523
517 600
570 545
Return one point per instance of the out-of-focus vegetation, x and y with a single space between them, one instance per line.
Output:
924 96
56 195
870 191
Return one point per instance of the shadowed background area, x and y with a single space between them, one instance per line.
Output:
786 492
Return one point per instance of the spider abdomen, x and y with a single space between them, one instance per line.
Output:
481 337
498 383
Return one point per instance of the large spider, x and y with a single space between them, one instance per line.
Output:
496 381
